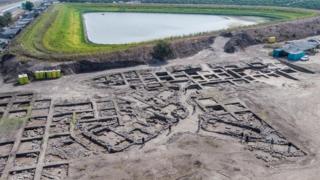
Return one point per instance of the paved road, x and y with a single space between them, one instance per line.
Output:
13 7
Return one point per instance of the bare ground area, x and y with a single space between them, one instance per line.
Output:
210 116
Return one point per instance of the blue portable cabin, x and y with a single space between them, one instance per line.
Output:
295 56
297 49
279 53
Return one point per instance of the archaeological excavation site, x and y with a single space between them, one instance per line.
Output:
209 116
236 96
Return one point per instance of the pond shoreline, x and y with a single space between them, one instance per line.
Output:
113 28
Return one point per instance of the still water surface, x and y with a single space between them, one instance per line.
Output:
121 28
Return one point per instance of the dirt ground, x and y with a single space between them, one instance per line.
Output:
289 107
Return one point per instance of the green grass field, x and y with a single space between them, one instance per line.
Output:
59 34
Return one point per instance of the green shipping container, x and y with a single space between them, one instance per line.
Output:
20 80
54 74
49 74
23 79
58 73
37 75
42 74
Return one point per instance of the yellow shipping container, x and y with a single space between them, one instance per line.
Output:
272 39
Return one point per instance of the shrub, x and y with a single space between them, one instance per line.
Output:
162 51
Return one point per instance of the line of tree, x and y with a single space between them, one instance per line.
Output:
5 19
312 4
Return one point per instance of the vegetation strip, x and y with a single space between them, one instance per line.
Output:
60 31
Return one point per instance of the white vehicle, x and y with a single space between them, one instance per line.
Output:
305 58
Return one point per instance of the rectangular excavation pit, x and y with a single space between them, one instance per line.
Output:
105 104
24 160
146 73
273 75
217 84
224 75
3 107
3 162
260 76
107 112
58 171
5 148
227 118
43 103
233 107
84 115
159 74
20 105
62 118
207 102
216 109
63 147
58 128
32 132
150 80
211 76
165 94
114 140
134 81
99 80
218 70
138 136
30 145
240 81
166 78
288 70
125 109
153 86
18 114
198 78
193 86
191 72
24 97
22 175
37 121
231 67
115 83
5 99
39 112
180 76
130 75
73 107
249 78
249 118
99 122
113 77
224 129
235 74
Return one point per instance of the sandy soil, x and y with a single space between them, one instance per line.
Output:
291 107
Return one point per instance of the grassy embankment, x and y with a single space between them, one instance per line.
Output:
59 33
